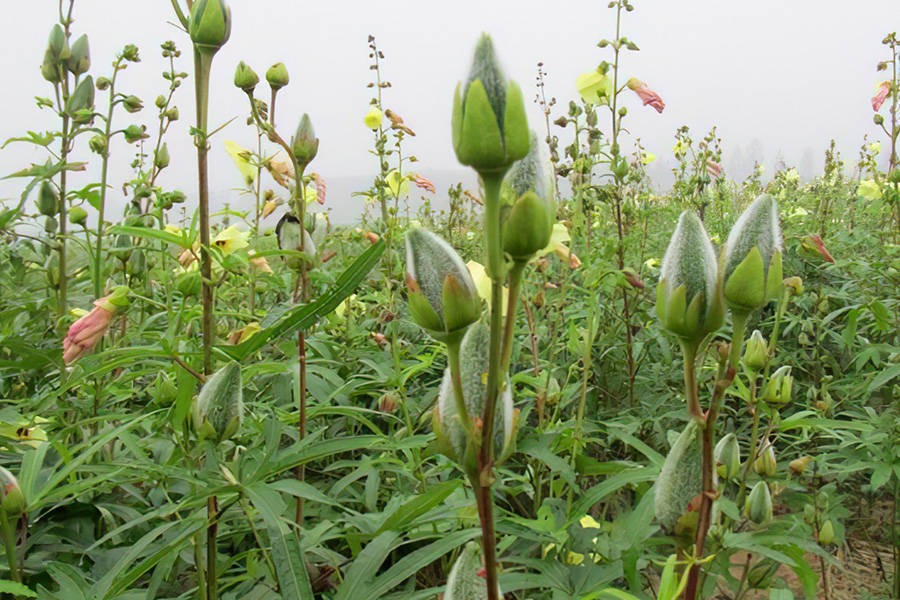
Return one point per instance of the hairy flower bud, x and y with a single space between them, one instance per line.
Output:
490 129
751 258
679 480
218 411
12 500
277 76
778 389
80 60
245 78
527 193
689 297
465 581
305 144
443 298
759 504
756 352
210 25
728 456
48 200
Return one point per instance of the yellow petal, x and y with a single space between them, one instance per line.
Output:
241 160
231 240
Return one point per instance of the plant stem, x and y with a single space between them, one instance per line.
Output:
212 530
303 288
737 340
202 65
9 541
515 281
104 177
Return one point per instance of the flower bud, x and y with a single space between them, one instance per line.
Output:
161 160
450 428
465 581
135 133
132 104
277 76
80 60
305 144
87 331
12 500
527 196
728 456
879 120
794 284
798 465
680 479
756 352
210 25
751 259
758 507
50 68
689 297
51 224
80 106
77 215
490 129
778 389
47 201
765 465
160 102
58 45
98 144
373 118
245 78
172 113
826 533
443 298
218 411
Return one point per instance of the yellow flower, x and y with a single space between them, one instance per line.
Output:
241 160
173 229
28 433
268 208
868 190
595 87
647 158
231 240
373 118
397 184
483 283
875 147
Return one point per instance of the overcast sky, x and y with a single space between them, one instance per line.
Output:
791 74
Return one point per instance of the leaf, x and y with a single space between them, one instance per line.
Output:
418 506
304 316
17 589
183 241
358 580
883 377
609 486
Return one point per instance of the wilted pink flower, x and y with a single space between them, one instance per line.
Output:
372 237
884 90
713 168
423 183
814 243
321 188
647 95
84 333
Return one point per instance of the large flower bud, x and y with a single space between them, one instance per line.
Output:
80 60
527 191
778 389
728 456
680 479
688 297
751 258
443 298
12 500
218 411
80 106
490 129
305 144
765 464
450 429
759 504
464 581
58 46
48 200
245 78
210 25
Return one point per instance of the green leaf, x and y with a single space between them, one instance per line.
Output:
358 580
883 377
418 506
157 234
17 589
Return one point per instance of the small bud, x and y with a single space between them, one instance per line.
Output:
728 456
277 76
160 102
132 104
77 215
798 465
135 133
210 25
12 500
172 113
528 189
131 53
751 258
689 297
489 126
879 120
795 284
443 298
161 161
759 504
765 465
756 352
80 60
80 106
47 201
778 389
305 144
51 225
826 533
245 78
218 411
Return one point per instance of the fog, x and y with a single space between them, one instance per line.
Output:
779 79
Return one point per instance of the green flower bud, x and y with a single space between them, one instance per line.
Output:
58 45
245 78
443 299
490 129
172 113
50 67
98 144
103 83
80 106
451 431
778 389
218 411
689 297
765 464
826 533
47 201
188 283
77 215
160 102
464 582
794 284
12 500
132 104
161 161
51 224
751 258
758 507
728 456
879 120
277 76
80 60
210 25
305 144
527 191
135 133
680 479
756 352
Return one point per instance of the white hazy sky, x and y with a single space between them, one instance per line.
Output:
791 74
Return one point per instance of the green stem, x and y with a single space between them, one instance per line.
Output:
9 541
515 281
202 66
737 340
456 380
212 509
691 391
63 220
104 177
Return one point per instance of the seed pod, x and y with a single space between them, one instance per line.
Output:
77 215
528 190
12 500
826 533
80 106
756 352
305 144
759 504
778 389
80 60
47 201
210 25
464 581
218 411
680 479
277 76
765 464
245 78
443 298
689 297
728 456
751 258
490 129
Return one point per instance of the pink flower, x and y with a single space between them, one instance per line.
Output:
647 95
321 188
84 333
884 90
713 168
